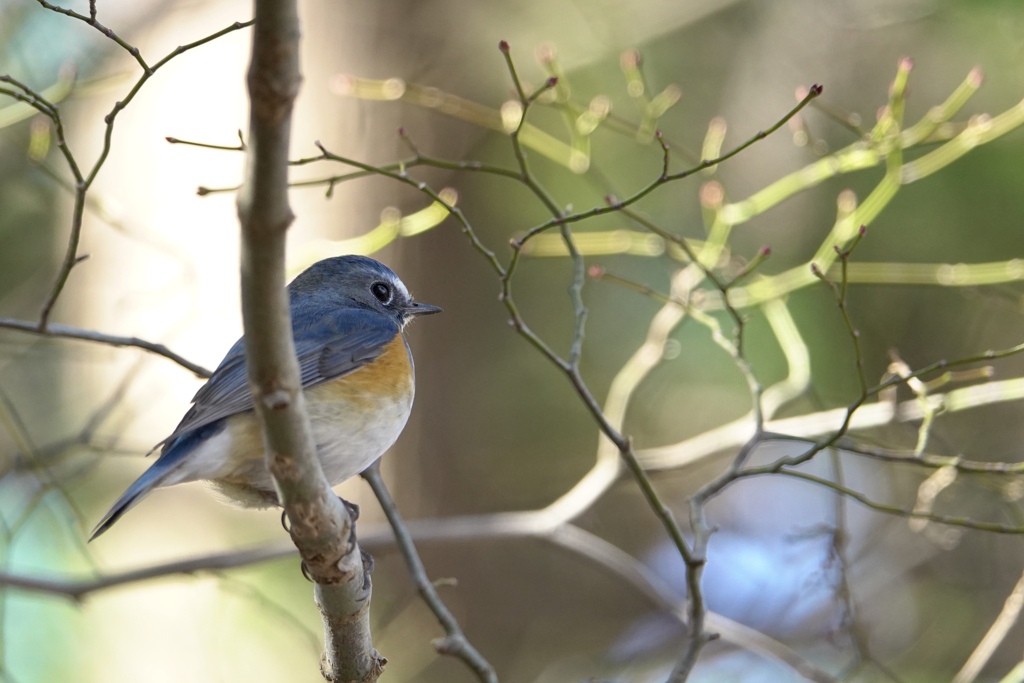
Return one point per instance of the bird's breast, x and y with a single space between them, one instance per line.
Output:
358 416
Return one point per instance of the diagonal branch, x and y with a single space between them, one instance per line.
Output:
455 642
997 633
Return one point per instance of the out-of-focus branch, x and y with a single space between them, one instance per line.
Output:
79 589
321 527
535 524
997 633
1016 674
69 332
864 416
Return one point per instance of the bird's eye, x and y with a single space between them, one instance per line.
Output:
381 292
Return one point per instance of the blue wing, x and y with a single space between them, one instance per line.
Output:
327 346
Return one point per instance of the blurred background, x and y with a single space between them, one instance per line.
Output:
864 596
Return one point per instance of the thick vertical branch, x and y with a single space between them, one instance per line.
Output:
320 526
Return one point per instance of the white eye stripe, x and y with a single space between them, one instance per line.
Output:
400 288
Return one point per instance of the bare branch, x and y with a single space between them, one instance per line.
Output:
68 332
82 180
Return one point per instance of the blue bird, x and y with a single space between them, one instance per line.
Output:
348 314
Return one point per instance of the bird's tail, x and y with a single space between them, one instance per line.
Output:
155 476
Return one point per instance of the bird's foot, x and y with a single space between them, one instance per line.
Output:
367 568
353 509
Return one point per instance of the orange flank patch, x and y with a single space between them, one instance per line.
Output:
386 378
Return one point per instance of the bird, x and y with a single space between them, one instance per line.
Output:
348 316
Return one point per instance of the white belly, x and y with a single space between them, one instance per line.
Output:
347 443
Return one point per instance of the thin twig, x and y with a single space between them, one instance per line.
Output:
666 177
83 180
91 20
402 177
455 642
240 147
841 292
895 510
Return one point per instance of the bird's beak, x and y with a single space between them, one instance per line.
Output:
417 309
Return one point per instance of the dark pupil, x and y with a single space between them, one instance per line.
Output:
381 291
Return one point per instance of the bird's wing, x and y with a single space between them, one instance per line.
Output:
328 347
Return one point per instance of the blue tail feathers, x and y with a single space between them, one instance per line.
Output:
173 459
150 479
